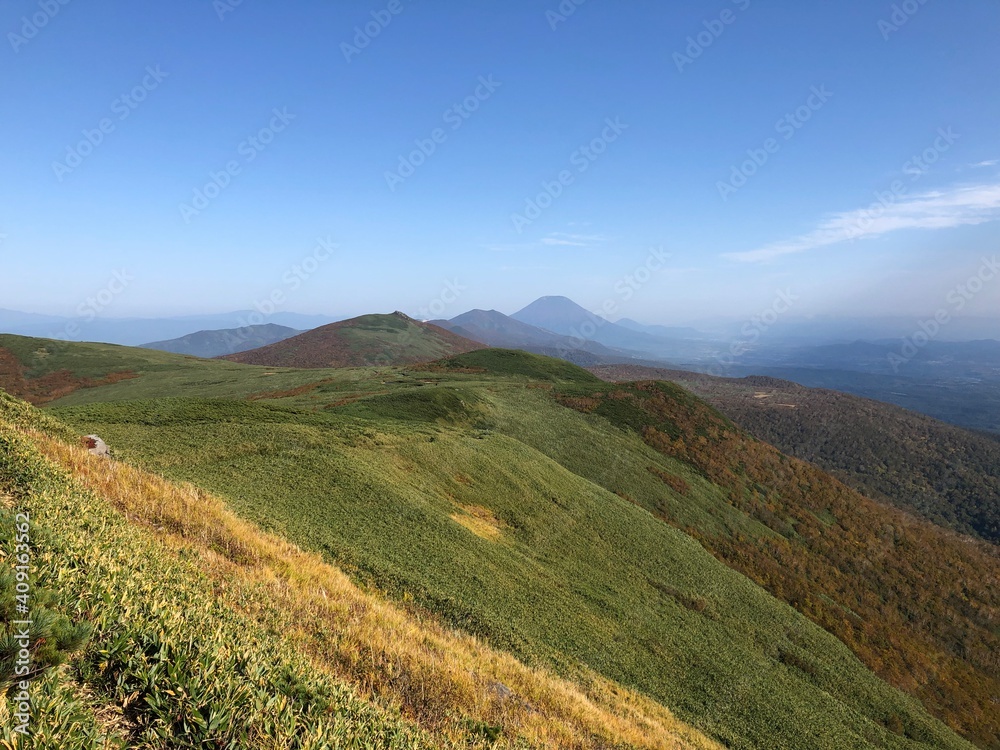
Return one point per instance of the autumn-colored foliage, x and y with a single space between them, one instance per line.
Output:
674 482
51 385
917 603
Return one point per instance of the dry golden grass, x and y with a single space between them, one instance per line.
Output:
439 678
480 521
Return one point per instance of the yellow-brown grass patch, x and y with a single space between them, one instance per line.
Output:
480 521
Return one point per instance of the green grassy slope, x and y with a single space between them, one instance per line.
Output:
44 356
42 370
477 495
168 664
152 373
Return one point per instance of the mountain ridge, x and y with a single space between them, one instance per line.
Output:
496 329
215 343
365 341
565 317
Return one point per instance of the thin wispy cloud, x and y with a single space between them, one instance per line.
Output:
556 241
941 209
564 239
510 247
551 240
560 242
523 269
988 163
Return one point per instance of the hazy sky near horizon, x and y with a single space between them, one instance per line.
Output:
348 157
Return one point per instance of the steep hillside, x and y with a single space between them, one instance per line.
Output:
468 490
210 344
917 603
206 632
942 472
370 340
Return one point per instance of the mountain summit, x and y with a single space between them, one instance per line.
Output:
560 315
564 316
366 341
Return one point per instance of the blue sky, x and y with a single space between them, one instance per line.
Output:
746 139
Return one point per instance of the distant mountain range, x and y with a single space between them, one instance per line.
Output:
556 326
138 331
366 341
956 381
563 316
496 329
210 344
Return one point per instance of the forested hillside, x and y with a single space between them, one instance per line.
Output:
945 473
